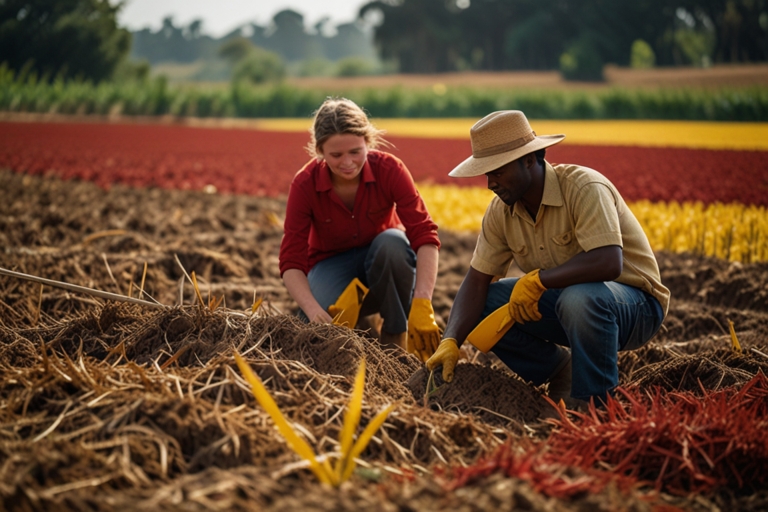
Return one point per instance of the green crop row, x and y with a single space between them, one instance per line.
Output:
156 97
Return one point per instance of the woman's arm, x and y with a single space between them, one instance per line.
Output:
426 271
298 286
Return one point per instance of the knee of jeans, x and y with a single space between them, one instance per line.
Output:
576 299
392 245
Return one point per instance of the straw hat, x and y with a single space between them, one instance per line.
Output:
500 138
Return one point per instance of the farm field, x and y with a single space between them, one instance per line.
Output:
118 406
716 76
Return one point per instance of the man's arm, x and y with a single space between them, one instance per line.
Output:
597 265
468 305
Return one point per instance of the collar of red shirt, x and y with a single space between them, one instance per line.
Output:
323 182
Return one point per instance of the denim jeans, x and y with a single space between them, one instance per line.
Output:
594 320
387 266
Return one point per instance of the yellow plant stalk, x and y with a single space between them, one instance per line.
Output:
345 464
735 345
363 441
256 303
294 441
351 419
197 288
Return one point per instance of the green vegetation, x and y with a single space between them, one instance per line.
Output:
26 93
250 63
428 36
642 56
66 38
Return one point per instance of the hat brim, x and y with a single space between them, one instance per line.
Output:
478 166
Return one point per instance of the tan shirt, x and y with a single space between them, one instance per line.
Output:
580 210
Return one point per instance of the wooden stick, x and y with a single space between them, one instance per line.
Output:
80 289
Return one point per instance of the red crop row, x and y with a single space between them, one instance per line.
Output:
680 442
263 163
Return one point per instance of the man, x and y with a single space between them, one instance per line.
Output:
591 286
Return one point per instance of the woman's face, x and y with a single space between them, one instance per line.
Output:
345 154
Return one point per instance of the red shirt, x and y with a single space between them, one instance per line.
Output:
318 225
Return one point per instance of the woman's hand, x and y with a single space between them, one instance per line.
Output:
320 316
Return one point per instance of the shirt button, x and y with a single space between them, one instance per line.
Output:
541 247
353 216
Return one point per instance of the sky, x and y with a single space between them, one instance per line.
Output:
221 16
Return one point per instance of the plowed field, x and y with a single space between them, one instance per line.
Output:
113 406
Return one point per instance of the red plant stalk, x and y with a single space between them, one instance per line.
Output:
675 442
680 442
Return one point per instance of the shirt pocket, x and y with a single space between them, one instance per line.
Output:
379 216
564 247
519 251
325 234
563 239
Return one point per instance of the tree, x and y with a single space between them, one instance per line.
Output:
642 56
69 38
289 38
251 63
443 35
423 36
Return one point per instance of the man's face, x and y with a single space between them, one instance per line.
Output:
511 181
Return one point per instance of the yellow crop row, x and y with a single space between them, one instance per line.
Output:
686 134
734 232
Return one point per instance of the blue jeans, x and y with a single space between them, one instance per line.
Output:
594 320
387 266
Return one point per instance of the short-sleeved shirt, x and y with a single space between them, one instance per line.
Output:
580 210
319 225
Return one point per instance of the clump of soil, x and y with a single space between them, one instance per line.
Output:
112 405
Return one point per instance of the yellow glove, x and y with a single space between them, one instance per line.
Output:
491 329
446 355
423 332
524 300
346 309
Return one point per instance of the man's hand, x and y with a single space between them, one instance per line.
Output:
423 332
524 300
446 355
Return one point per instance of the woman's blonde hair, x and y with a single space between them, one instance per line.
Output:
338 116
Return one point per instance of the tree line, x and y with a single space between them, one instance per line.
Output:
286 35
82 39
428 36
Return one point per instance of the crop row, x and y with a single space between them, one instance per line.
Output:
706 201
733 231
157 98
259 162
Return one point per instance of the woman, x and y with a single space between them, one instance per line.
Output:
341 224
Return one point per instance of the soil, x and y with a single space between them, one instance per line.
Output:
117 406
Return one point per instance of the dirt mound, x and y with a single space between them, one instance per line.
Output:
115 406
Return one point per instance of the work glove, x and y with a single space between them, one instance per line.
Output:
346 309
446 355
491 329
423 332
524 300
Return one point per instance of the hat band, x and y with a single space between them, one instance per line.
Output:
503 148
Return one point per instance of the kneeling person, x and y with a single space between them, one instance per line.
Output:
358 237
592 285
